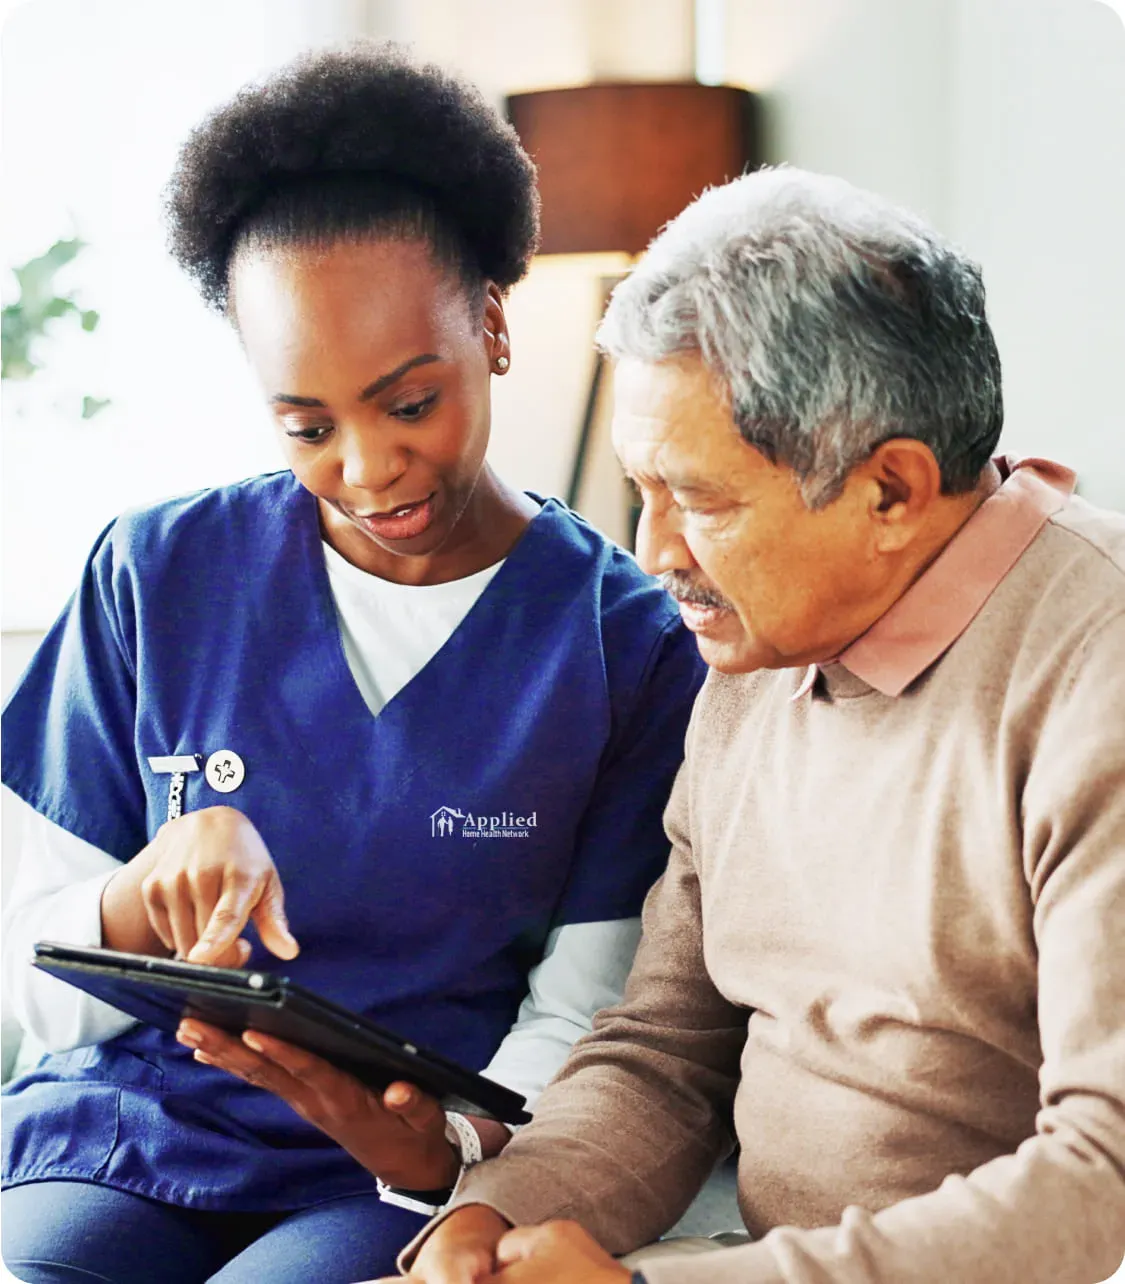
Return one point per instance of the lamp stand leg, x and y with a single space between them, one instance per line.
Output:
586 431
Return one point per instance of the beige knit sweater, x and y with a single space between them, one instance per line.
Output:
890 948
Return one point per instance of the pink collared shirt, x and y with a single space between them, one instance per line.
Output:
941 604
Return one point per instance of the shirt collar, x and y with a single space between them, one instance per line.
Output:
941 604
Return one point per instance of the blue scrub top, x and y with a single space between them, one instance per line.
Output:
207 623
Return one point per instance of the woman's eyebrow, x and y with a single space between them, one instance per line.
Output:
385 381
289 399
372 389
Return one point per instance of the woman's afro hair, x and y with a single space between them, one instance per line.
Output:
350 140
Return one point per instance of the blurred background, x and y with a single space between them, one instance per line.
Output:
1002 121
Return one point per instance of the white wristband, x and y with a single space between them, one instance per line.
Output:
464 1138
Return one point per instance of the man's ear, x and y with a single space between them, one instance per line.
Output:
906 481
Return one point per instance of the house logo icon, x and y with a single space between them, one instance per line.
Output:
442 821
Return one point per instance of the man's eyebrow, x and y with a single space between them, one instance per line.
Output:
385 381
372 389
693 485
672 481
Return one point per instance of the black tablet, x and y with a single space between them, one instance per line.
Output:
163 991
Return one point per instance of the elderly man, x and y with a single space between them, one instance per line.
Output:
890 944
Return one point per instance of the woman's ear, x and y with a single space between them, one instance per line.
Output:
497 343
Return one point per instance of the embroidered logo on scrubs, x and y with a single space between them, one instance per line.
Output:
444 821
449 821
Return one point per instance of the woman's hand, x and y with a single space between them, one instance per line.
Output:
399 1135
193 889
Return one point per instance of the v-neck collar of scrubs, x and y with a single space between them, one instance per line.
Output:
333 720
391 631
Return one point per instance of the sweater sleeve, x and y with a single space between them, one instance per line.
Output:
640 1113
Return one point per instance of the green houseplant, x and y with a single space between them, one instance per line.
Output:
29 318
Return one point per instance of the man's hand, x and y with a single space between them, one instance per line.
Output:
399 1135
556 1253
463 1248
194 888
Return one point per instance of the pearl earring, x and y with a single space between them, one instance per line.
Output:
502 363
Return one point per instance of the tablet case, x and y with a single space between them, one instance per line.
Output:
163 991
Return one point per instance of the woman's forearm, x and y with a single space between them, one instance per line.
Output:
493 1136
125 921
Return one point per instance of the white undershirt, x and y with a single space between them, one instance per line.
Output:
390 632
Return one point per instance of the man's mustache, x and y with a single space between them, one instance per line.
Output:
684 589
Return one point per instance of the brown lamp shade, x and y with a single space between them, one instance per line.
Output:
617 161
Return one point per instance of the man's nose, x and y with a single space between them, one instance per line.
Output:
371 461
660 544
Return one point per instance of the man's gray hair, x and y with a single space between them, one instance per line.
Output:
832 319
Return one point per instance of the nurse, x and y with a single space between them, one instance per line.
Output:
378 715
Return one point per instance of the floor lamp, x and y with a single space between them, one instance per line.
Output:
617 161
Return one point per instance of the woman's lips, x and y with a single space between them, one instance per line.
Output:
408 521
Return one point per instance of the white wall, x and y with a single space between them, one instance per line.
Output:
858 88
1038 141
